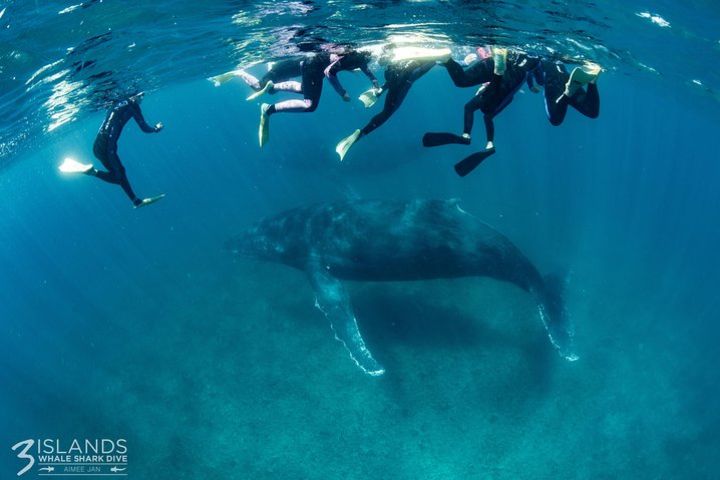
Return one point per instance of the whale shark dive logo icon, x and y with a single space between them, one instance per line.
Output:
23 455
81 456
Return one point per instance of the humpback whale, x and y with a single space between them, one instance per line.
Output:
395 241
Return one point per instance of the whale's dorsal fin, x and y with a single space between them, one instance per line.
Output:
334 302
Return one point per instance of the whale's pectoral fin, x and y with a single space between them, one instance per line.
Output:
332 299
555 318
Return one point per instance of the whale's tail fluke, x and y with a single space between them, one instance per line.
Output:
555 317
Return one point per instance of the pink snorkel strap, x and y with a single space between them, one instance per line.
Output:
327 69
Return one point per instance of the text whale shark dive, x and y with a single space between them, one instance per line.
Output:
396 241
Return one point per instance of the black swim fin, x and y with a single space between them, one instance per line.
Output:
435 139
468 164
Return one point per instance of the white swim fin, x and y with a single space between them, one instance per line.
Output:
268 86
342 148
218 80
370 97
149 201
70 165
264 127
587 73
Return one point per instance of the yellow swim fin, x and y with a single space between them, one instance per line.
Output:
370 97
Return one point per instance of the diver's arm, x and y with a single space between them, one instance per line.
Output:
332 78
138 116
370 75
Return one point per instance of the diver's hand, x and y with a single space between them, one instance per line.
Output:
535 89
158 127
346 97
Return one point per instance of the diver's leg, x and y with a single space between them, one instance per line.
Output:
395 96
397 90
556 108
250 80
282 71
469 115
489 130
311 88
287 86
125 185
587 101
556 103
116 175
105 151
117 169
476 74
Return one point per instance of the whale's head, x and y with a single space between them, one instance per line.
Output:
252 243
266 241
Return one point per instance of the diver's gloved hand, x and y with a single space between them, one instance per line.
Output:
535 89
346 97
158 126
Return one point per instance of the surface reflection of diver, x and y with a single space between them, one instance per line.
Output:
105 148
405 65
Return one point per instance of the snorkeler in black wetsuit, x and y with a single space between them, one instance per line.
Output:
477 73
353 60
503 75
105 148
399 77
284 70
314 70
561 92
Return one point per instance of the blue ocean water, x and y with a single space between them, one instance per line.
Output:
137 324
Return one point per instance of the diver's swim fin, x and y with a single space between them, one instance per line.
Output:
370 97
218 80
268 86
264 128
344 145
582 75
469 163
149 201
70 165
499 60
435 139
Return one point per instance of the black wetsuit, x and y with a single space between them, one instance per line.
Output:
281 71
312 71
500 91
584 100
398 80
475 74
348 62
105 147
